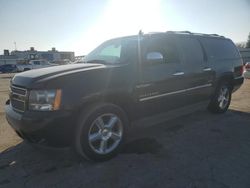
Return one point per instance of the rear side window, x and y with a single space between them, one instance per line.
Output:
192 51
220 49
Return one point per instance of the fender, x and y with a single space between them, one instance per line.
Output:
122 98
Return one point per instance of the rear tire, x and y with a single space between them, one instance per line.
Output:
100 132
221 98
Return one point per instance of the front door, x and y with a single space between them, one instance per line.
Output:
162 83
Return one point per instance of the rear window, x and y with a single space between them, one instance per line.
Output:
220 49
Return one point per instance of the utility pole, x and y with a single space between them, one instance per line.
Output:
15 45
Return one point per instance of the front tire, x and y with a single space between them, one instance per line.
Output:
221 99
100 132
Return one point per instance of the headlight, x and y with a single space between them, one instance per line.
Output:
45 100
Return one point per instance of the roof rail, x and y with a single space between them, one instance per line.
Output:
188 32
176 32
217 35
155 32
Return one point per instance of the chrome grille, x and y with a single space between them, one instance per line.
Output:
18 96
18 90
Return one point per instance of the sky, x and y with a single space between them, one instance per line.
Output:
81 25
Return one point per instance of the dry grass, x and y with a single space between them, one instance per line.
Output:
8 137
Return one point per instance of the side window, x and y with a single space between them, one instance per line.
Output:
166 47
129 52
172 55
220 48
112 50
192 51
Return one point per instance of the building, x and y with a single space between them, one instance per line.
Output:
6 58
50 55
79 58
245 53
10 59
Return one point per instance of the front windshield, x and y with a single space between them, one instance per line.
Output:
113 51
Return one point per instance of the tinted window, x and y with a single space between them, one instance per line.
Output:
221 49
192 51
166 47
129 52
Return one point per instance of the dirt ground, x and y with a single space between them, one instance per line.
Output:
200 150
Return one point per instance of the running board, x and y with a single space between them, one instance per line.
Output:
166 116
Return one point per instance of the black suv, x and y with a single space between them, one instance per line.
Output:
125 81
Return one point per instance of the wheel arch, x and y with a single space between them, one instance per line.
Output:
124 101
225 77
81 139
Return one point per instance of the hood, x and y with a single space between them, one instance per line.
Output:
26 78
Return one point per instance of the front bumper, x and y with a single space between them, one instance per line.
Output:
47 128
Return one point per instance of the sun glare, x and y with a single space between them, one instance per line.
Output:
128 17
125 18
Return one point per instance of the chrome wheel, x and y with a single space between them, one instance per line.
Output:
223 97
105 133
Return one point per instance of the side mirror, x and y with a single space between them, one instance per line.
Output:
154 57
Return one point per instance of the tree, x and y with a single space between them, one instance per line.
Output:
240 44
248 42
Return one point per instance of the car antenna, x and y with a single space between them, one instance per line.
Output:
140 34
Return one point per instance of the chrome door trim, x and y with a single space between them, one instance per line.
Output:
142 85
207 69
174 92
178 74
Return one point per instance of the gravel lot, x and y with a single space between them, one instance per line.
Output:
201 150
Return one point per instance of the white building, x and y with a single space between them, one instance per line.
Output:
50 55
6 58
245 53
11 59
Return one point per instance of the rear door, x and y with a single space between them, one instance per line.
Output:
196 69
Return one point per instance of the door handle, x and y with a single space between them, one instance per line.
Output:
178 73
207 69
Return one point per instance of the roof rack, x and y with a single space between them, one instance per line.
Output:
179 32
155 32
188 32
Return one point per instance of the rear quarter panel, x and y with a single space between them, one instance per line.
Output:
222 55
